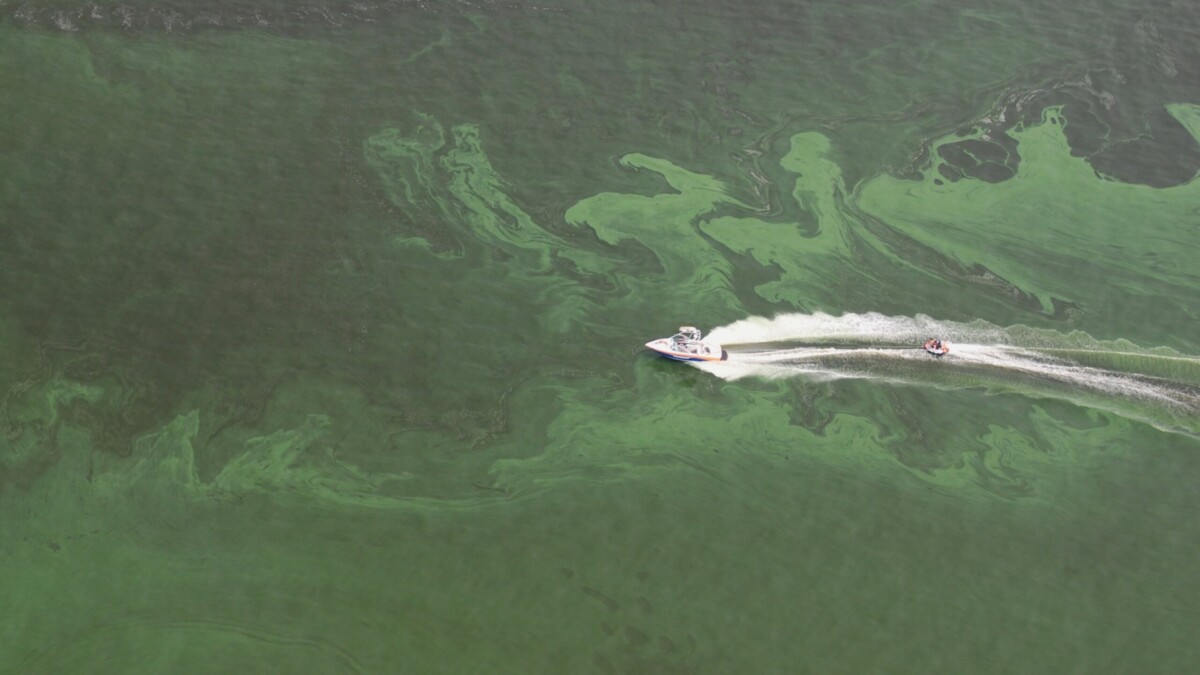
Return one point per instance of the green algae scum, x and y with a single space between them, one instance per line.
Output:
322 332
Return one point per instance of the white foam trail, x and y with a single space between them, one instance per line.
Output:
1018 359
869 328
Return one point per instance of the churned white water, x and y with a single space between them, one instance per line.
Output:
1015 359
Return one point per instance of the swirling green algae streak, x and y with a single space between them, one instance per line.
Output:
318 361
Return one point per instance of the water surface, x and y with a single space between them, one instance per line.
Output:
322 328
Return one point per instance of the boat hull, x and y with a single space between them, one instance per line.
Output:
711 352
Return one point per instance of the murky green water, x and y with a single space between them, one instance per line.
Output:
322 329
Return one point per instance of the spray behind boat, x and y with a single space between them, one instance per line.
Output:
1158 385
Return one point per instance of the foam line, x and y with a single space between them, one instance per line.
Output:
1154 385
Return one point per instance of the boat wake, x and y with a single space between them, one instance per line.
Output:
1159 386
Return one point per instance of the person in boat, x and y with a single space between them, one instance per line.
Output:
936 347
681 343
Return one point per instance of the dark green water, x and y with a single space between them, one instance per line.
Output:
321 328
